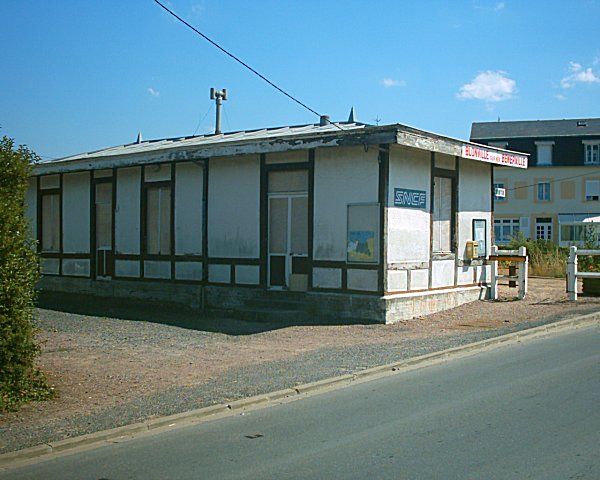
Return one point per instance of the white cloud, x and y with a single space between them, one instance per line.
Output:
490 86
392 82
579 74
154 93
197 9
499 6
560 96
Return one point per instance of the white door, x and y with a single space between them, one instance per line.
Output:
104 226
288 241
543 229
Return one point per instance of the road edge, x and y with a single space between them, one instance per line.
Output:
169 422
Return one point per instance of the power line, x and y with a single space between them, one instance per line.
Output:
554 181
239 60
202 119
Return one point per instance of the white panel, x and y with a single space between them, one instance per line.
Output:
442 273
103 173
466 275
157 269
363 280
327 277
474 202
447 162
127 268
419 279
31 207
342 176
247 274
294 156
188 208
49 181
484 274
188 270
127 214
49 266
397 280
75 267
76 212
157 173
409 169
219 273
234 207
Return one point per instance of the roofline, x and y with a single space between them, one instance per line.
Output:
368 136
508 137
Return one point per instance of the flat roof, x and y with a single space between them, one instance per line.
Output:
277 139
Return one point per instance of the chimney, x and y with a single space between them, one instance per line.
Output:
218 96
324 120
352 116
139 138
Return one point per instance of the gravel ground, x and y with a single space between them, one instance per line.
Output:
117 364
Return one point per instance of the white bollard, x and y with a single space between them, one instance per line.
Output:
572 274
494 274
523 273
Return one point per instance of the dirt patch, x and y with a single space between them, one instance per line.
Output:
136 351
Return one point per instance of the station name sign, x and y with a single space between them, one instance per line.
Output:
403 197
491 156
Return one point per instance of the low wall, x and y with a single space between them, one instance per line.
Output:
406 306
316 307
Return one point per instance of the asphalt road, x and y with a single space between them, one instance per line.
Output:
524 411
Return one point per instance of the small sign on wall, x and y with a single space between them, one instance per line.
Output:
404 197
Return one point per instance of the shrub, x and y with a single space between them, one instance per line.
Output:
20 379
546 259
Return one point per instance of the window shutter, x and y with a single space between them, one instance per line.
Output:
524 226
592 188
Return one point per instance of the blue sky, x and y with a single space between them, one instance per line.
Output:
82 75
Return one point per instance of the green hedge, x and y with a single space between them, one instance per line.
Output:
20 379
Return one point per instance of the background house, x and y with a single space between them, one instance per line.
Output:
558 197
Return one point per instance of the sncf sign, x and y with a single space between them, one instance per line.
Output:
492 156
403 197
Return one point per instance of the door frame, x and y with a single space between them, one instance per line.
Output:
289 255
94 249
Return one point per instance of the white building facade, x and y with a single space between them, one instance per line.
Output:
344 221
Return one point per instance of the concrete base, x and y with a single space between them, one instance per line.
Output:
406 306
271 306
187 295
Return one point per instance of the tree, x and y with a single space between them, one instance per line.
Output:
20 379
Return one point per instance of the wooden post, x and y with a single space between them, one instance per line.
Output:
494 274
523 273
572 274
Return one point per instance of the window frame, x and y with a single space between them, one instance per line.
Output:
548 191
514 225
544 144
499 184
148 184
588 146
589 198
453 177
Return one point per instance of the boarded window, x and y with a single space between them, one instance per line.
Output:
51 222
443 198
363 233
158 220
104 215
288 181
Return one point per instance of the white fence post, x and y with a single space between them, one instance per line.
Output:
494 274
572 274
523 273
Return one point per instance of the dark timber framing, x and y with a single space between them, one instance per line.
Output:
384 180
93 254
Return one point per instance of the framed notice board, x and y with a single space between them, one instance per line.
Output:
480 236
